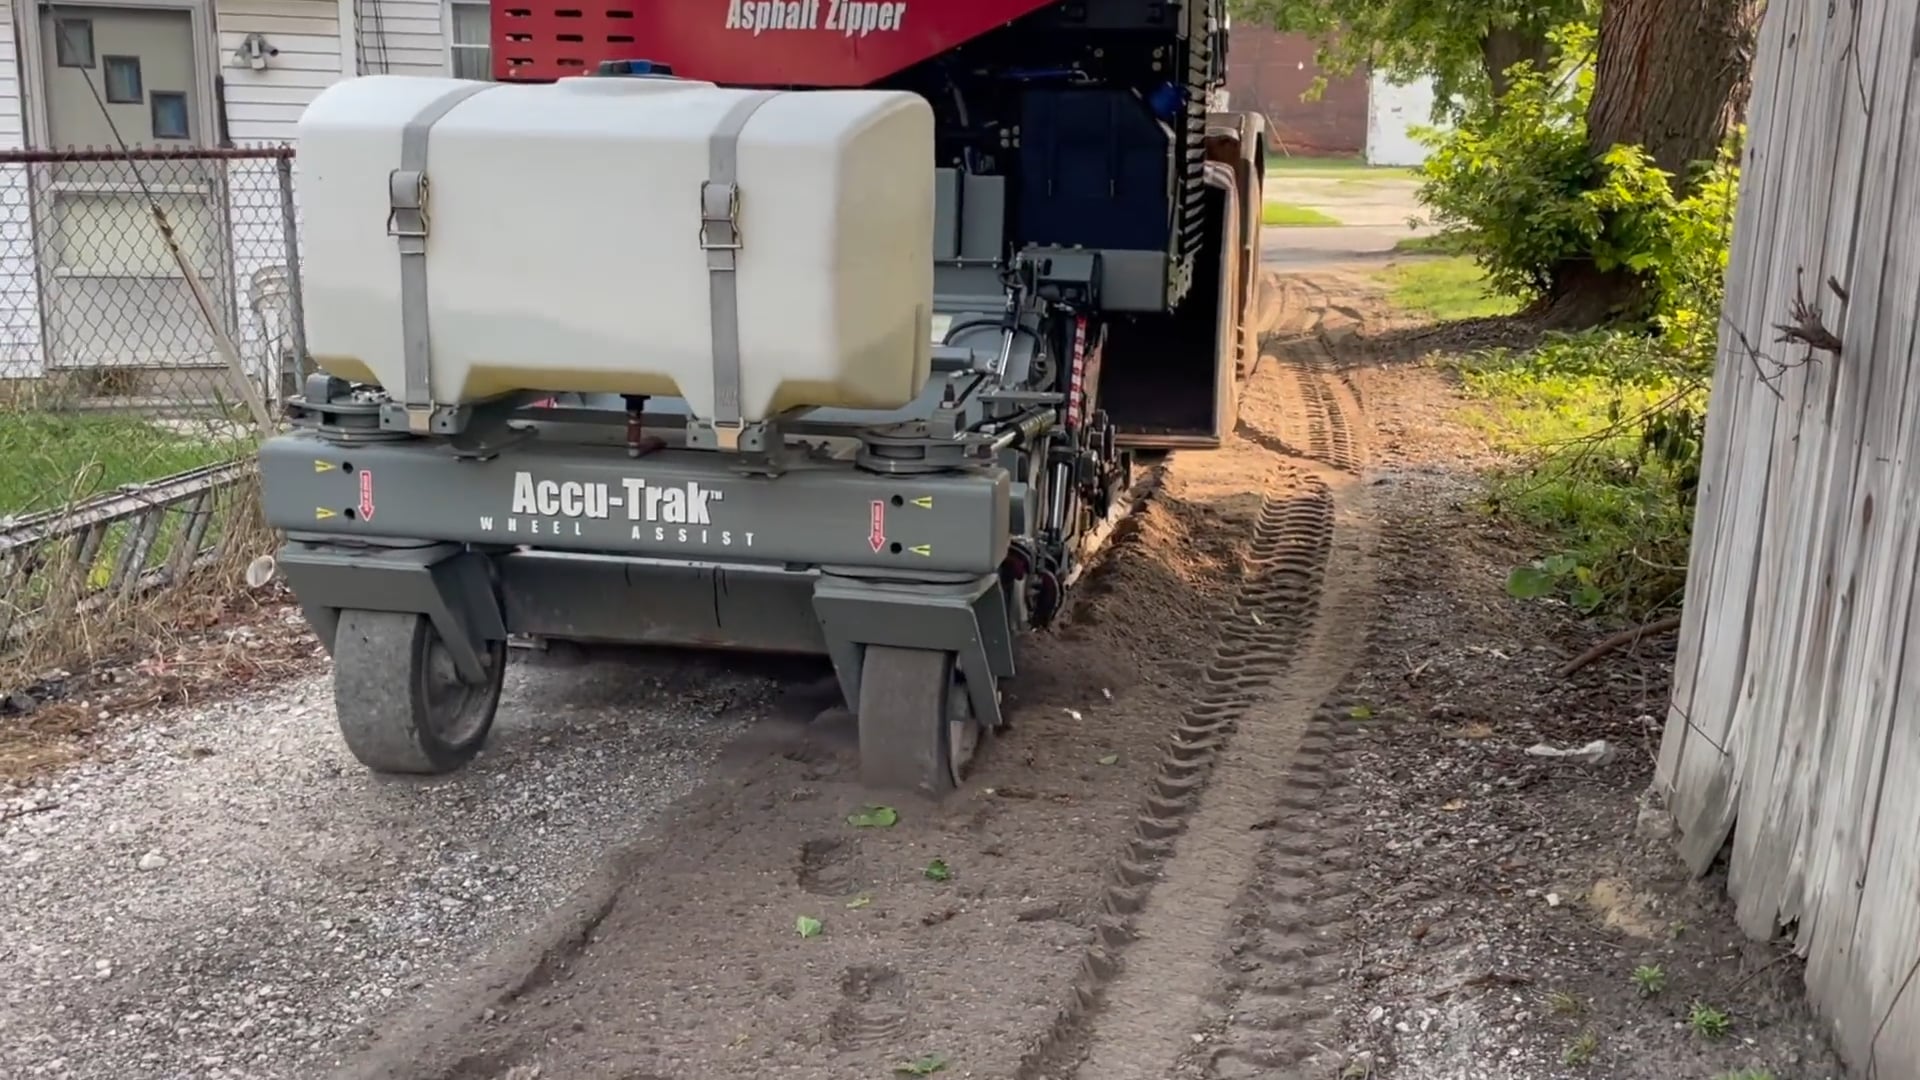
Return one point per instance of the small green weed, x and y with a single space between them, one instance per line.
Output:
1564 1004
1651 979
1708 1022
1582 1049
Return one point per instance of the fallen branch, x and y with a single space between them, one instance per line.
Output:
1620 640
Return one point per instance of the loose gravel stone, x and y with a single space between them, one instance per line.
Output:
225 893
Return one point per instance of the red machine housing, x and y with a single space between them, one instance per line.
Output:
814 43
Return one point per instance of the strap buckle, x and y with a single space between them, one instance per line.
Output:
719 217
407 204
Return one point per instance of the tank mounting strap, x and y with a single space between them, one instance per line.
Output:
408 223
720 239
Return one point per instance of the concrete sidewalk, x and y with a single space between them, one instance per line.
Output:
1373 215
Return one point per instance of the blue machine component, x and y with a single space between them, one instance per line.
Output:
1168 101
644 69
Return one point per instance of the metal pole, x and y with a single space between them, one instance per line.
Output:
290 234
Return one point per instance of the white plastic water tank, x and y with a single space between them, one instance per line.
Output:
564 240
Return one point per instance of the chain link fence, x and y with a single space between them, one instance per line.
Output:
150 325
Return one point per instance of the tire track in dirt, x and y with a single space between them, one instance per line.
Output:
1274 1011
1276 1008
1324 405
1174 894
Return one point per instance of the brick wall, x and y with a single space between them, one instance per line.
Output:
1269 71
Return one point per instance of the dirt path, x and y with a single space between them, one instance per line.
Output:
1267 811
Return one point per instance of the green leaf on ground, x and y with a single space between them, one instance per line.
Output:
1361 712
859 902
808 926
1110 759
874 817
937 871
925 1066
1530 582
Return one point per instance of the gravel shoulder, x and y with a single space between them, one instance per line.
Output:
224 892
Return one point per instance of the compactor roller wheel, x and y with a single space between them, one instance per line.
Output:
917 729
402 705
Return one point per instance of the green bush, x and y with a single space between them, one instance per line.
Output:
1610 421
1515 186
1609 434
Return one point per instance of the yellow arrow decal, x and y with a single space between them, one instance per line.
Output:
924 502
321 513
323 466
925 550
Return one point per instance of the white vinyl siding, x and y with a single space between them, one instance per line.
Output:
19 291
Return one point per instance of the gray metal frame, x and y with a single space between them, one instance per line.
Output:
821 531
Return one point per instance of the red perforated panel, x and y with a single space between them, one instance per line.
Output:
739 42
541 40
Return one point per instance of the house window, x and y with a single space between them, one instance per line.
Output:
73 42
472 41
123 80
170 115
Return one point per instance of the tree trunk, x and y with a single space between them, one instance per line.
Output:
1504 47
1671 76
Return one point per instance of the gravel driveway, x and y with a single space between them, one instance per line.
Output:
225 893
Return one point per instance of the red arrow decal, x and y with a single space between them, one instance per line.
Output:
877 526
366 495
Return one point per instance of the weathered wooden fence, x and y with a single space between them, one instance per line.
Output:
1793 729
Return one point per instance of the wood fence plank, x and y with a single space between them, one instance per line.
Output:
1793 725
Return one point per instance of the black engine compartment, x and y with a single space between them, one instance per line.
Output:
1095 111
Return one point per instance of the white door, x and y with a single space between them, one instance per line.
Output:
114 294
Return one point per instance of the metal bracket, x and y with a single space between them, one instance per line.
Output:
760 448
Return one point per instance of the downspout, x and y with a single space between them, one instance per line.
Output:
220 111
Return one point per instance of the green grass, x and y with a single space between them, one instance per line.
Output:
1350 169
1431 244
1289 216
1443 289
56 458
1610 513
1608 506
